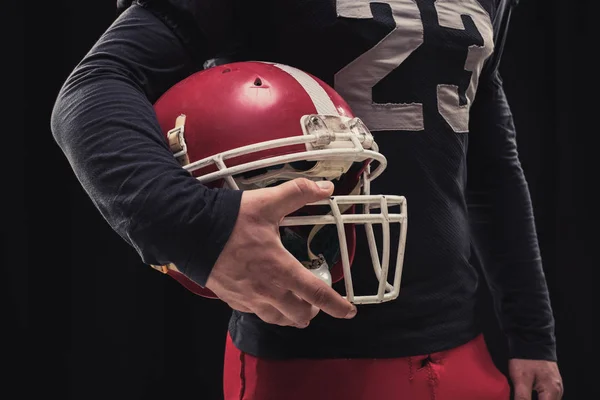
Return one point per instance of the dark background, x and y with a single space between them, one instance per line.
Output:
85 319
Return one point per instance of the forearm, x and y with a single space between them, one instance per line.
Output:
504 227
104 122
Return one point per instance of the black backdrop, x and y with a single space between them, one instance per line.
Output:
86 320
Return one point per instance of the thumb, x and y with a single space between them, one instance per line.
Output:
292 195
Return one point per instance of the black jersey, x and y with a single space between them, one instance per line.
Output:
423 76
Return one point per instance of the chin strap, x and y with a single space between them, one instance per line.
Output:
176 141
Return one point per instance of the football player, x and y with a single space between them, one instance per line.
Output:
272 154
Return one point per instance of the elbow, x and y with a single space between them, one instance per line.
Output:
71 108
58 119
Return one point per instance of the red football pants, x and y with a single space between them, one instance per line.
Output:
463 373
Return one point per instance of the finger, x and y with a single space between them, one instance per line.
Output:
292 195
271 315
522 380
295 309
549 390
316 292
523 384
522 391
548 396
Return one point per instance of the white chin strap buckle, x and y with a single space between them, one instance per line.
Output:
320 269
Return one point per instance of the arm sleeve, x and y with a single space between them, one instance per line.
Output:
104 122
503 225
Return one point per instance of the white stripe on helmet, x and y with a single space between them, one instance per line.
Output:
317 94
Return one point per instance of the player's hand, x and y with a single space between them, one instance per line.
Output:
536 375
256 274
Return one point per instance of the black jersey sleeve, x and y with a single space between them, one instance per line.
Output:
104 122
503 225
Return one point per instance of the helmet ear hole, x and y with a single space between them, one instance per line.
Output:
257 82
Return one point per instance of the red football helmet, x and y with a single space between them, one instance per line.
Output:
250 125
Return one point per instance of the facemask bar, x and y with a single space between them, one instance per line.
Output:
357 145
371 237
385 291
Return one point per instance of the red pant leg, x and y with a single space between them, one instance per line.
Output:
467 372
464 373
